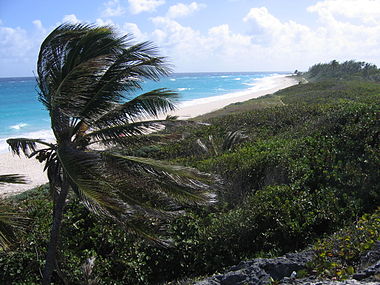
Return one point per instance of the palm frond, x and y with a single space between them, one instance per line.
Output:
165 166
233 138
133 140
125 73
83 71
149 104
181 183
12 179
52 58
117 134
103 192
171 118
9 221
25 145
84 170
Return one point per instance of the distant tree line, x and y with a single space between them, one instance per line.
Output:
347 70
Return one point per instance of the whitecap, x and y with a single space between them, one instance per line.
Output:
183 89
172 79
18 126
256 84
237 78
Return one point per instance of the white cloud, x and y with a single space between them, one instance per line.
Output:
182 10
134 30
38 24
113 9
334 38
101 22
271 44
190 50
71 19
367 11
14 42
342 32
19 49
276 32
138 6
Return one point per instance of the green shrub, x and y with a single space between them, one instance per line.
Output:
338 256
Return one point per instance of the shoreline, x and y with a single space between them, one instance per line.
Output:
33 170
197 107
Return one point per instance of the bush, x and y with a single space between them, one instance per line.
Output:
339 255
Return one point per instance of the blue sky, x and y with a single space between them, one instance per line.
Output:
209 35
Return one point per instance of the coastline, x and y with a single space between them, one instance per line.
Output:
265 86
33 170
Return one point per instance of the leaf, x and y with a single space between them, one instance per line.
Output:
25 145
12 178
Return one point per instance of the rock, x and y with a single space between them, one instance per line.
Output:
232 278
329 282
261 270
371 257
282 267
370 263
371 273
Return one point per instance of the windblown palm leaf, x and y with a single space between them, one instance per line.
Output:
230 140
12 178
86 75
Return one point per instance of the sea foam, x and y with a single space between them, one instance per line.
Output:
183 89
257 84
18 126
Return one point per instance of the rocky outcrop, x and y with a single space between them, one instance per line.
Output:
262 271
329 282
370 266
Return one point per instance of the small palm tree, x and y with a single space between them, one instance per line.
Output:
9 219
85 76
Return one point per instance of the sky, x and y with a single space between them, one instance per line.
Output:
205 35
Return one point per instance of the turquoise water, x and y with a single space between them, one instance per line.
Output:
21 114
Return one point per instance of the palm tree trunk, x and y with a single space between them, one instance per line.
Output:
55 232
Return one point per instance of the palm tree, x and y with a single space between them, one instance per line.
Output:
9 219
85 76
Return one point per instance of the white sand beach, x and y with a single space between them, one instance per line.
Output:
33 170
267 85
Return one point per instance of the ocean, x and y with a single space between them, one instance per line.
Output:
22 115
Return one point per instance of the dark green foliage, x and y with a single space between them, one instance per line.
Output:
339 255
11 178
347 70
120 258
23 262
9 218
331 92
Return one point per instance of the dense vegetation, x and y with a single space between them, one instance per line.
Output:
303 165
347 70
338 255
